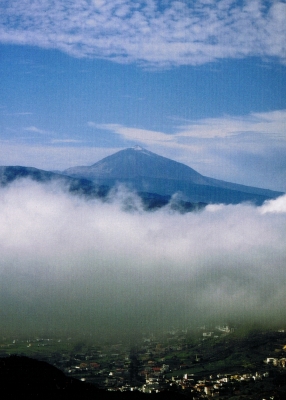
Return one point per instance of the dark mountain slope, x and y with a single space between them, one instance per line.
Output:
73 185
91 190
26 378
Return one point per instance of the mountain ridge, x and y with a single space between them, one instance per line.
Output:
154 178
91 190
143 170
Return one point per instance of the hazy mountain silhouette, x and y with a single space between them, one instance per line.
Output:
155 178
73 185
91 190
145 171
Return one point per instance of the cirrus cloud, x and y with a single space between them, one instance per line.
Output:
149 32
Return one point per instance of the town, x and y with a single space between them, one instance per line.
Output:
206 362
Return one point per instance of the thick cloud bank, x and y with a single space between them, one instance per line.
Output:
86 266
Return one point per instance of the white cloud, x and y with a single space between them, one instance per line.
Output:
152 33
66 141
135 134
66 262
271 123
275 206
36 130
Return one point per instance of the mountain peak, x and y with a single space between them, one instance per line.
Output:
140 150
137 147
135 163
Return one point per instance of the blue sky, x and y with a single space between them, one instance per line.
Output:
202 82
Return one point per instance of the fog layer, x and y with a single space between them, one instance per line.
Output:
73 265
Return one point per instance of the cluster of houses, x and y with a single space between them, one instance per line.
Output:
153 365
154 380
219 385
214 385
277 362
126 373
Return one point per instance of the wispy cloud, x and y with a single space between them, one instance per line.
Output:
49 157
19 114
134 134
66 141
36 130
268 123
50 136
149 32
